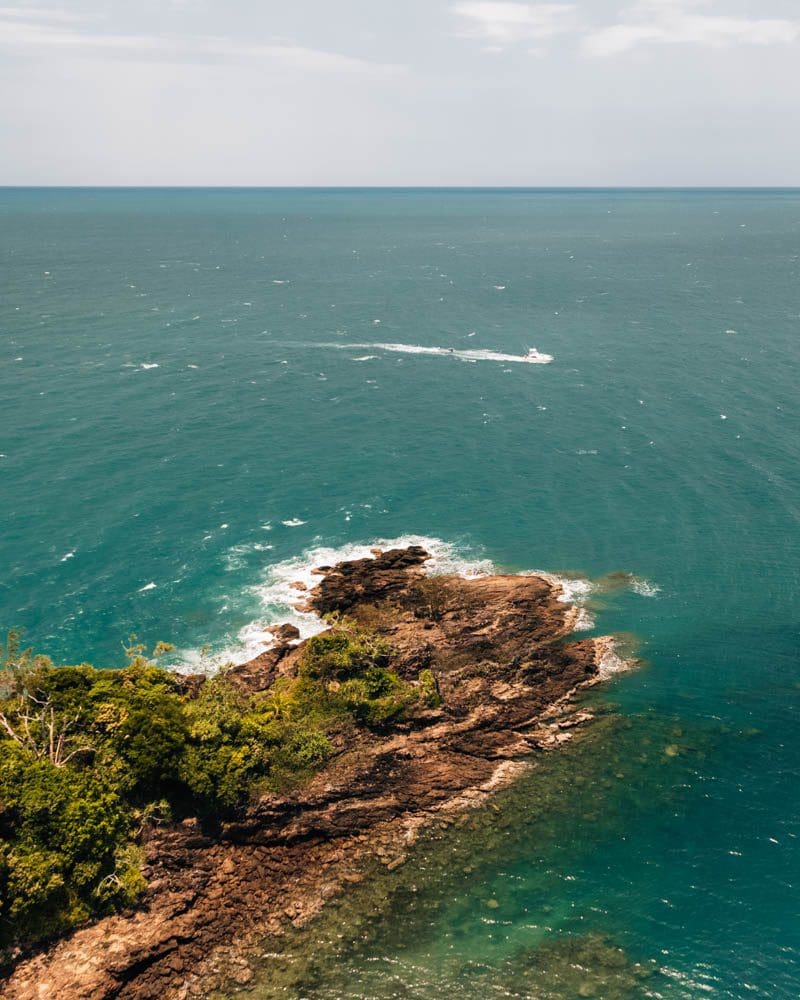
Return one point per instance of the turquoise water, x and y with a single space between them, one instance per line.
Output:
661 440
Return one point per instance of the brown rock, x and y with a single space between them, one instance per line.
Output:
495 646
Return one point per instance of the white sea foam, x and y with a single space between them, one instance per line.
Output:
239 555
278 595
148 586
610 662
575 591
532 357
644 588
69 555
584 622
281 602
146 367
367 357
282 591
295 522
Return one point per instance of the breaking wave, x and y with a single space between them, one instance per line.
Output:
284 585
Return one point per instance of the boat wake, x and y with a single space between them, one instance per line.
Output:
472 355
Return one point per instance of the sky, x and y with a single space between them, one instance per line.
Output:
400 92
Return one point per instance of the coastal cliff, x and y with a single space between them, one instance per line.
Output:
485 675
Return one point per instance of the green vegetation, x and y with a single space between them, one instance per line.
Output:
91 760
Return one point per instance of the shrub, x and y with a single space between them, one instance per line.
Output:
344 651
91 759
429 690
63 827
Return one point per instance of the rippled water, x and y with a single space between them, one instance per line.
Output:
180 424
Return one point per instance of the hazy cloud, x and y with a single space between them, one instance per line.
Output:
669 23
356 92
649 22
20 34
507 23
40 13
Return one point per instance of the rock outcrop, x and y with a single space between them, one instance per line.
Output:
506 675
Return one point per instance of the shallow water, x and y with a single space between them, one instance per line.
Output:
176 435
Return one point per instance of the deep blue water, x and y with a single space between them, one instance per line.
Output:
175 384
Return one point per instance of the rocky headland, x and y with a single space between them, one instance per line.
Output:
506 675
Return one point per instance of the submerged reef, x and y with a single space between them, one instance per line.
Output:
158 827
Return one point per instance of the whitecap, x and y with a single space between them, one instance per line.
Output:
295 522
367 357
644 588
69 555
238 556
148 586
146 367
499 288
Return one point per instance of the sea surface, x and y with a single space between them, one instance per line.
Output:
203 393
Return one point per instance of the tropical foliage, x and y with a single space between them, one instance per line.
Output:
90 760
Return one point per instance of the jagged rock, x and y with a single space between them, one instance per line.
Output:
495 646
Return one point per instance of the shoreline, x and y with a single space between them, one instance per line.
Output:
508 681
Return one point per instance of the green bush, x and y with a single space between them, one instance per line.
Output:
90 758
343 652
378 697
62 828
429 690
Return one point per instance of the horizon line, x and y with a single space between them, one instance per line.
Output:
399 187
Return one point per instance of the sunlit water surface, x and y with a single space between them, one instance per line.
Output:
197 388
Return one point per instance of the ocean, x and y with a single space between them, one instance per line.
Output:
204 393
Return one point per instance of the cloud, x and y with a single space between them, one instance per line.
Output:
508 23
670 22
29 35
40 13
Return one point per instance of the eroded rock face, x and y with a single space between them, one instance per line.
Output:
261 672
495 646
